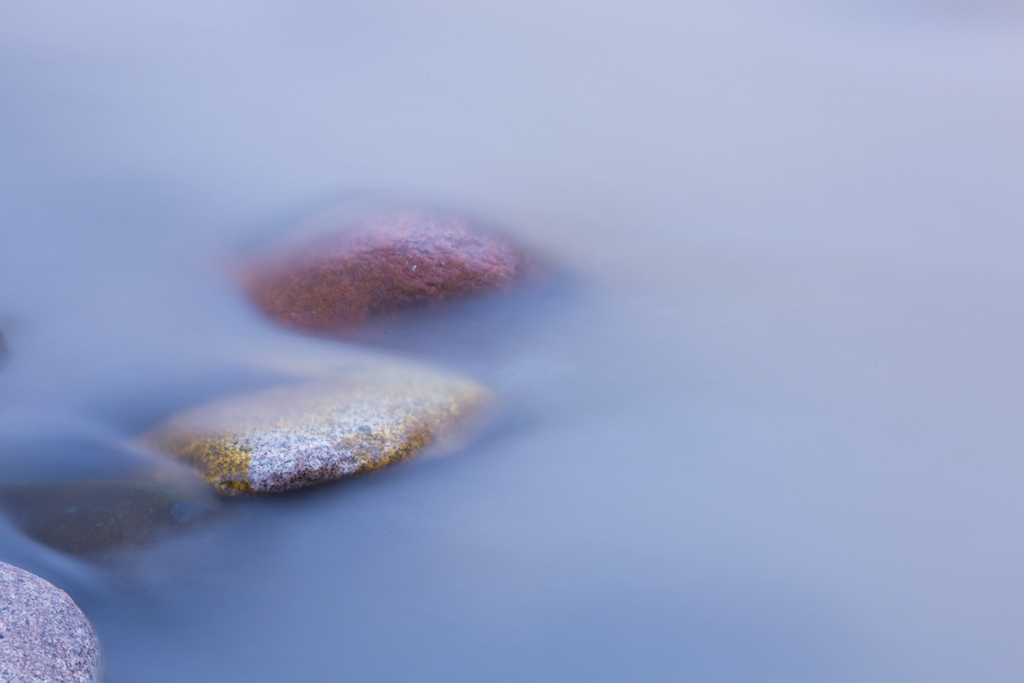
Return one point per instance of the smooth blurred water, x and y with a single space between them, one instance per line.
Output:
764 426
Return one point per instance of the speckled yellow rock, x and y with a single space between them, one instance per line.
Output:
296 436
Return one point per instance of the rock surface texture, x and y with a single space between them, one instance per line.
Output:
387 264
92 516
297 436
44 637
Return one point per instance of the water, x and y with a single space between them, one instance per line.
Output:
764 426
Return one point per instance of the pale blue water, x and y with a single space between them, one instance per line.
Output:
765 426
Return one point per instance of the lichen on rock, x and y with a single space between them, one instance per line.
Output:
300 435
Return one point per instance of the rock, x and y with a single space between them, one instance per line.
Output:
85 517
296 436
43 634
388 264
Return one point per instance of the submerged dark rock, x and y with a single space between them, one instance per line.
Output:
387 264
86 517
43 634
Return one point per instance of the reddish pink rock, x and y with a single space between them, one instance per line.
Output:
388 264
43 634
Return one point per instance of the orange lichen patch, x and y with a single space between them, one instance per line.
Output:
296 436
388 264
224 465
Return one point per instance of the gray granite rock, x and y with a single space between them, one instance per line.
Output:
85 517
44 637
304 434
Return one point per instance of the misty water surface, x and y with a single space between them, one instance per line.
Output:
765 425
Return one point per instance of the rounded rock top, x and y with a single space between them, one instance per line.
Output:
43 634
391 262
296 436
